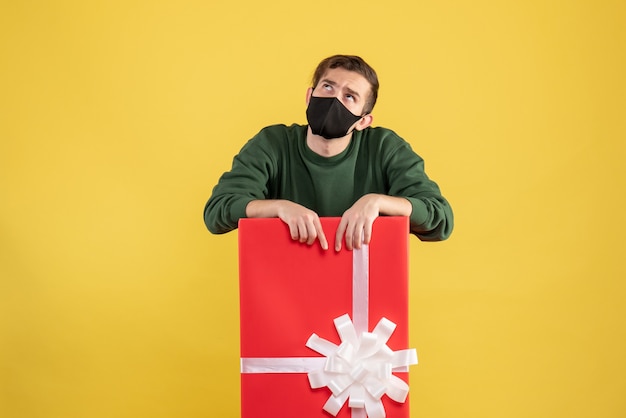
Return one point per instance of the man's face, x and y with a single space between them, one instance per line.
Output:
351 88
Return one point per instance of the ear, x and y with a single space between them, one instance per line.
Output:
309 93
364 122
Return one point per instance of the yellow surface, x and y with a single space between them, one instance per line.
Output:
116 119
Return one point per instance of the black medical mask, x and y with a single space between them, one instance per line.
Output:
328 117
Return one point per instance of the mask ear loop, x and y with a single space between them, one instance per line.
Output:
354 126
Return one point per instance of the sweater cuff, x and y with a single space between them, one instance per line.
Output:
419 213
238 209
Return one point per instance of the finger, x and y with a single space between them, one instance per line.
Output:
320 234
311 232
341 229
293 231
367 232
357 239
349 236
302 231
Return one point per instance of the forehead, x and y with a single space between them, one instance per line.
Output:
348 79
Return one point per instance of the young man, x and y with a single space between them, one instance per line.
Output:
337 165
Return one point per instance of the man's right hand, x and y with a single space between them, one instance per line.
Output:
304 224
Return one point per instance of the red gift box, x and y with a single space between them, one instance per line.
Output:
291 290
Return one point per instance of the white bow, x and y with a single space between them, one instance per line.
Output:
360 370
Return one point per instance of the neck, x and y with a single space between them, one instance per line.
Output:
327 147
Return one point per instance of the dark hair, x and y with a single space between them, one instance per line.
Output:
351 63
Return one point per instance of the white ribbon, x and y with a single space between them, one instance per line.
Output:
359 370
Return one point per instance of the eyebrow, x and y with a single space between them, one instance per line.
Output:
334 84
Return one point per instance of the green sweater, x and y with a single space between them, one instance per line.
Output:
277 164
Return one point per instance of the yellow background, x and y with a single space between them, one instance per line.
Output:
116 119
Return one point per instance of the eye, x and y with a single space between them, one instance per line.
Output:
327 87
350 98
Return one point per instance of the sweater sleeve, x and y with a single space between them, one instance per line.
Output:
246 181
431 218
